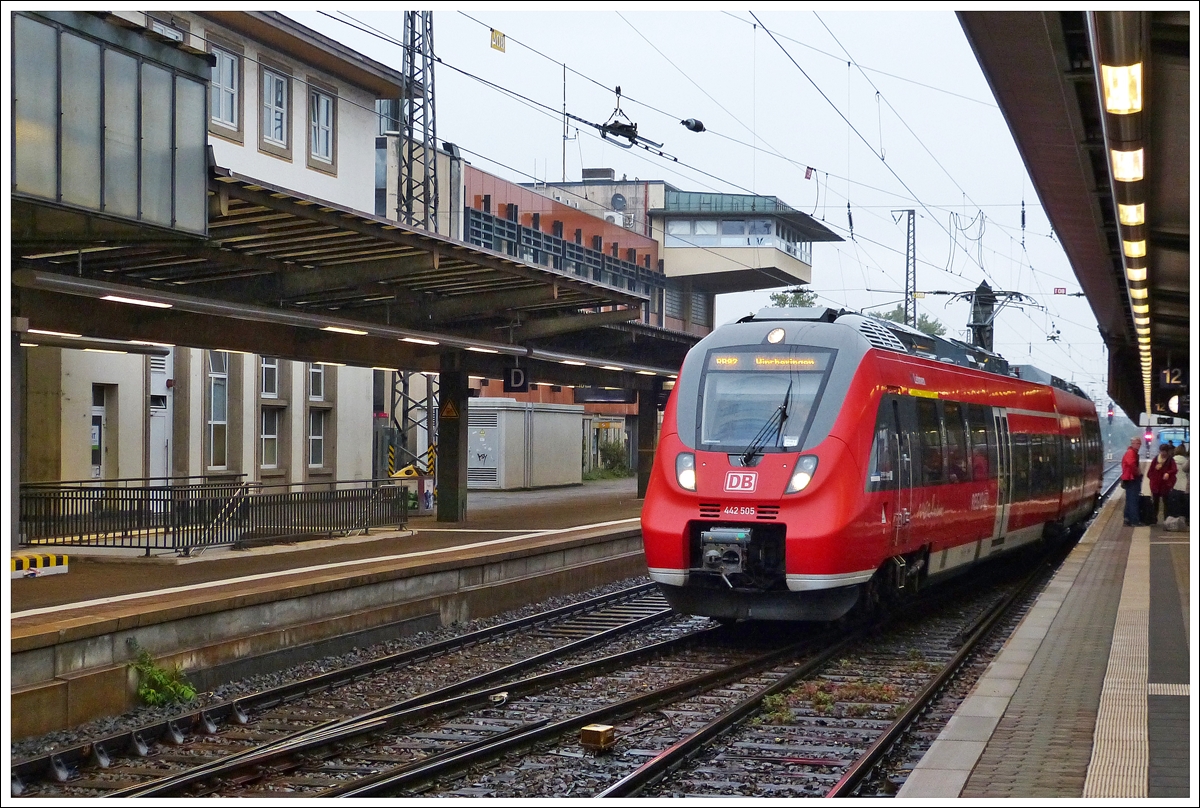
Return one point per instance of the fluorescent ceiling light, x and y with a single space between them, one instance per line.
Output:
646 372
1136 274
1132 215
358 332
154 304
52 333
1128 165
481 350
29 344
393 370
154 344
333 364
1141 308
572 362
1122 88
1135 249
104 350
419 341
610 367
1138 293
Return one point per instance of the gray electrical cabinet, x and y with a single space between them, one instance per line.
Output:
517 444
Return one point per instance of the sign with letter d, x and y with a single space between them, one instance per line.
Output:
516 380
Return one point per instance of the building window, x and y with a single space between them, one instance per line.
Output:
388 112
316 382
163 29
270 377
270 437
218 409
316 438
275 109
226 82
322 126
320 109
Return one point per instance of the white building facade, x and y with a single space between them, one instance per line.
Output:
293 109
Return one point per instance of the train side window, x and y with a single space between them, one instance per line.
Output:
1054 473
978 421
929 432
884 463
956 443
1037 466
1020 467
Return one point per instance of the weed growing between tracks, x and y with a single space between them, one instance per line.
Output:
159 686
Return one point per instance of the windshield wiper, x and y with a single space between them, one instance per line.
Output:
776 422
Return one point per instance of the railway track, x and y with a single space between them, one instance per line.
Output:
753 710
111 764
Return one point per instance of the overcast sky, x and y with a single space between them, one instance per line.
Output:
890 109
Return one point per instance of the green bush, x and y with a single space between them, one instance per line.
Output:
613 455
158 686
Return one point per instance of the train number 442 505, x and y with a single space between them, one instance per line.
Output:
739 510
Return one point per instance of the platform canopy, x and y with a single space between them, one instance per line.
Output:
1047 71
296 277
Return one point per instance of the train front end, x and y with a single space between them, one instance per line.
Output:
750 494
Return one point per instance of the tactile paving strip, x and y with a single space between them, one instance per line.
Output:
1120 749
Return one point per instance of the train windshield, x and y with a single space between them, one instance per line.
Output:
751 397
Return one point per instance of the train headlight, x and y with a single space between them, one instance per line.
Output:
685 470
806 467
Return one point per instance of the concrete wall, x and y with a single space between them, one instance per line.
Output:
126 404
43 415
680 262
355 419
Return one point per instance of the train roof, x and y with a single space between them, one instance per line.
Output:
892 336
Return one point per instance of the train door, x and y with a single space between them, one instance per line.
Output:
904 482
1004 472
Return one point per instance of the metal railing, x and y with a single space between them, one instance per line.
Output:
187 516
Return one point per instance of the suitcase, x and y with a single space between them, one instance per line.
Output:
1146 510
1177 504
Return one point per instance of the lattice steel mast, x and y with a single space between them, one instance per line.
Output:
418 150
910 274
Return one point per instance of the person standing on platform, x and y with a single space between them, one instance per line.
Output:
1131 481
1162 477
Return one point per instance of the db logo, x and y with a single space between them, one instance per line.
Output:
741 480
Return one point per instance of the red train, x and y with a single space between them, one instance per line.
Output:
809 458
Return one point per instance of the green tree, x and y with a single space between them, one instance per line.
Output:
925 324
796 297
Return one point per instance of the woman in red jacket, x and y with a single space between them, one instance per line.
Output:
1161 476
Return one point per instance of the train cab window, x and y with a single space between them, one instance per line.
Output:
983 448
929 432
745 392
883 468
1020 467
957 468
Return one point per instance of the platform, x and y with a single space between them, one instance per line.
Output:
1091 695
224 613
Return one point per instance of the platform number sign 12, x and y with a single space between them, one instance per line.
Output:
1170 378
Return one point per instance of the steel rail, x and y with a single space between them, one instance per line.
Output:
59 764
378 718
662 764
612 712
674 756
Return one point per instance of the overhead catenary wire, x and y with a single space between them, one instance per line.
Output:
855 129
555 114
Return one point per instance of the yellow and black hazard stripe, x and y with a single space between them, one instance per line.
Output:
35 566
